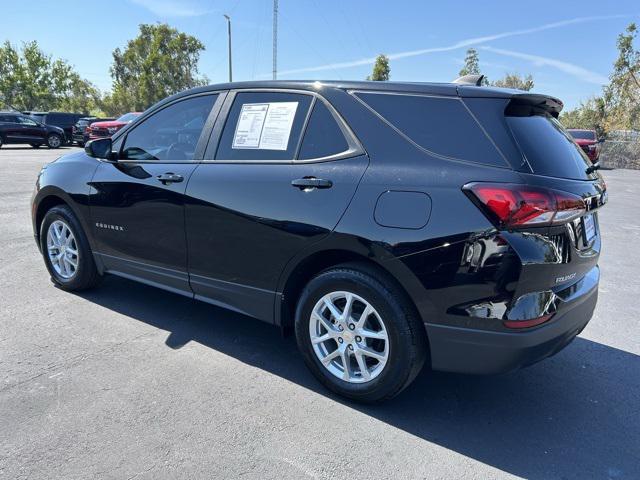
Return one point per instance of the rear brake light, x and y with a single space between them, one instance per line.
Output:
515 205
532 322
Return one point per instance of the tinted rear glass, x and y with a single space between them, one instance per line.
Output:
323 136
583 134
547 146
439 124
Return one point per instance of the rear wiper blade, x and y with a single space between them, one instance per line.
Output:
593 168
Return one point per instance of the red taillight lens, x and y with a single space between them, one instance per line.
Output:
527 323
514 205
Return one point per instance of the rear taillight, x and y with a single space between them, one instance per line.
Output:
517 206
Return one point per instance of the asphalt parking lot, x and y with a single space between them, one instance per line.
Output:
128 381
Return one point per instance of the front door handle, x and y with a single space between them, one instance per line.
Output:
170 177
308 183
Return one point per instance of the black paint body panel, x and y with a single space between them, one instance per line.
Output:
239 234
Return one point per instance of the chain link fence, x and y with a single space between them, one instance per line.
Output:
621 150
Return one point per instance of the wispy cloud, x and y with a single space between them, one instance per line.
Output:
566 67
460 44
172 8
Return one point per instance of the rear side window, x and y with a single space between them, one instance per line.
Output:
546 145
323 136
264 126
438 124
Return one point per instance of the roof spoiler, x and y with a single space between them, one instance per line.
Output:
550 104
470 80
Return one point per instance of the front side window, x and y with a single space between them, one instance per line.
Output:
263 126
170 134
27 121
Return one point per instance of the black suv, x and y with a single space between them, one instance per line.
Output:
18 128
388 224
80 129
64 120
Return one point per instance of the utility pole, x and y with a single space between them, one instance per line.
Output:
275 39
229 32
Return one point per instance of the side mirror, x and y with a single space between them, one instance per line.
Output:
100 148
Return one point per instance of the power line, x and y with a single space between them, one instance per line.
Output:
275 39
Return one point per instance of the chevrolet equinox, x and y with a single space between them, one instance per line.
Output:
388 225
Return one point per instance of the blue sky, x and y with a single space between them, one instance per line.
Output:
569 47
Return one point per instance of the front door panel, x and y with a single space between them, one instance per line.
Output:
245 221
138 221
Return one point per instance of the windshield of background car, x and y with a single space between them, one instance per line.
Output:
128 117
583 134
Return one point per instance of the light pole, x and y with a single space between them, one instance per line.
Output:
229 32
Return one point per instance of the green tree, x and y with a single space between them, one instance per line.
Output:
159 62
471 63
381 70
590 115
32 80
513 80
622 95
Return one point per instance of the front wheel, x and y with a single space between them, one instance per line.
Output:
54 140
358 334
66 250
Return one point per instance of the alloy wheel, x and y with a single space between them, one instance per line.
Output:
349 337
62 249
54 141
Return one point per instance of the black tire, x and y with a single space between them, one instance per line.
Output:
86 275
35 145
54 140
407 338
80 144
1 141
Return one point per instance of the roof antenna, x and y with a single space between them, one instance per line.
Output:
470 80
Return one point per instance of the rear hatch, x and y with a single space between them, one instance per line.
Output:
551 219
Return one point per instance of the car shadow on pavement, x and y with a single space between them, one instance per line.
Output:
576 415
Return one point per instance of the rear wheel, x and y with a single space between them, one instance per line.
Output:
358 334
66 250
54 140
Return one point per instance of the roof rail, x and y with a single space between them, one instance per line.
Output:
470 80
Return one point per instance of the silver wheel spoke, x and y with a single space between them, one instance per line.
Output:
365 314
371 334
321 339
345 363
332 308
327 360
372 353
362 365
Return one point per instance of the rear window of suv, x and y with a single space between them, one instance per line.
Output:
441 125
546 145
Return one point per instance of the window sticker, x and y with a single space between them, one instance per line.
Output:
265 126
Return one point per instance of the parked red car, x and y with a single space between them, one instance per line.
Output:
107 129
588 141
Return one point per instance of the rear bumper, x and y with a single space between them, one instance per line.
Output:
474 351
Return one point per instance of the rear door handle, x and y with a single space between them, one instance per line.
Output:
169 177
308 183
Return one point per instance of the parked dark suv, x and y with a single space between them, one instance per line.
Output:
18 128
390 225
64 120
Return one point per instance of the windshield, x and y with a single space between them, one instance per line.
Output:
546 145
128 117
583 134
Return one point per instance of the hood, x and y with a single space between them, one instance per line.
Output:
109 124
584 141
